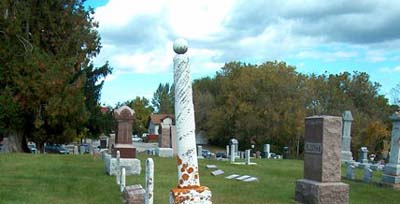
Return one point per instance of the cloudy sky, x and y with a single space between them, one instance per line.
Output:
314 36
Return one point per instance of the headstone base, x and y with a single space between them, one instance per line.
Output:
134 194
132 166
313 192
346 156
390 179
192 195
165 152
392 169
125 150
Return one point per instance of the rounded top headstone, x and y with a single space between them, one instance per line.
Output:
347 116
180 46
233 141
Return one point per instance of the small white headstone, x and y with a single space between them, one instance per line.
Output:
232 176
241 178
211 166
217 172
251 179
123 180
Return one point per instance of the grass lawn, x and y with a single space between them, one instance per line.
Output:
32 179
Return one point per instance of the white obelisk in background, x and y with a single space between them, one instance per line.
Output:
188 189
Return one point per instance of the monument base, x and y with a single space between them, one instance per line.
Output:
164 152
313 192
191 195
346 156
390 179
125 150
132 166
134 194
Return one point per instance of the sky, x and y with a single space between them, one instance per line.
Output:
314 36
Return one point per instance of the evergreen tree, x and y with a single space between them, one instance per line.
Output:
163 99
48 88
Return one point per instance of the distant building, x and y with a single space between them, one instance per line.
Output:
155 121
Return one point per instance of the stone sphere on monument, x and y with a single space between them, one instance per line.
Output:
180 46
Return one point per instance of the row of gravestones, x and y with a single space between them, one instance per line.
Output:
135 194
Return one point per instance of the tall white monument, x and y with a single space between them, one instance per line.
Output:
188 190
346 154
391 171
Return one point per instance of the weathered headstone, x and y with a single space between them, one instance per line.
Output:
211 166
164 152
200 152
368 173
123 180
118 168
227 150
247 157
189 189
250 179
123 141
217 172
267 150
363 155
134 194
322 172
149 197
233 142
233 176
346 154
232 155
350 171
391 171
241 178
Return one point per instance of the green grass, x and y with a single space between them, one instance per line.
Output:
72 179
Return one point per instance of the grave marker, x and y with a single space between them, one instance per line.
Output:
346 154
321 183
189 188
391 171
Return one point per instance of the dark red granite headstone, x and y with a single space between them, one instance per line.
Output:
123 140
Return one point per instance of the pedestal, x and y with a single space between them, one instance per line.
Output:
132 166
192 195
126 150
313 192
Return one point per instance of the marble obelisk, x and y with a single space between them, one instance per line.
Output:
188 189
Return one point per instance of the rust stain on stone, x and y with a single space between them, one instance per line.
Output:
185 177
179 160
190 170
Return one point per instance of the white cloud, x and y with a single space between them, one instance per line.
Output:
137 36
390 70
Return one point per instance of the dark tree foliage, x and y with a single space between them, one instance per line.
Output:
163 99
48 84
267 103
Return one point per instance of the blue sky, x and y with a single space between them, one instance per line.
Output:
333 36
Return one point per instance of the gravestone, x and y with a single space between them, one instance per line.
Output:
227 150
322 172
165 137
247 162
232 176
350 171
241 178
123 141
217 172
368 173
200 152
267 150
111 142
164 152
232 155
391 171
123 180
363 155
211 166
233 142
134 194
188 189
149 197
346 154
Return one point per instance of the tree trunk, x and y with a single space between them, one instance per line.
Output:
15 142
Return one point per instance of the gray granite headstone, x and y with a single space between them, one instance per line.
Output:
368 173
322 171
346 154
363 155
232 176
391 171
350 171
